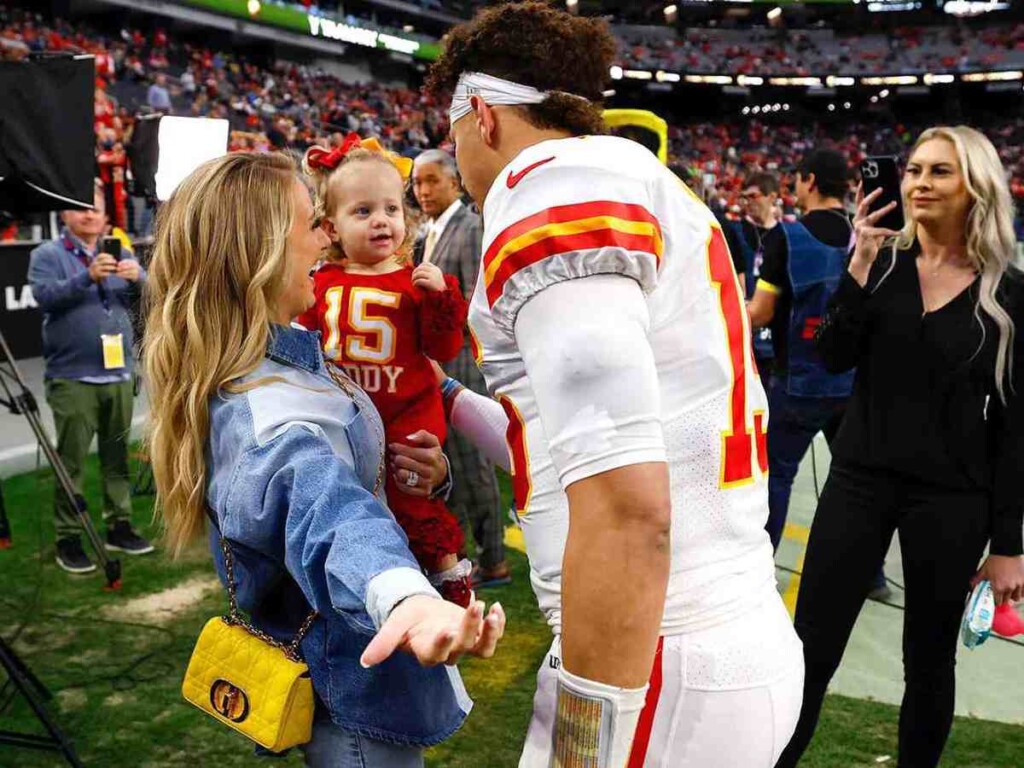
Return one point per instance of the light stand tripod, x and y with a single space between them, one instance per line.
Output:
23 401
5 525
36 695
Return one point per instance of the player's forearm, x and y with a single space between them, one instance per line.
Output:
615 574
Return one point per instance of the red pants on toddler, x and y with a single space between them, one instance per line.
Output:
433 530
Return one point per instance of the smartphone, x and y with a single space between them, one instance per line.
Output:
883 172
112 246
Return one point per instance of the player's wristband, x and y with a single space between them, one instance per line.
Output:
595 722
450 388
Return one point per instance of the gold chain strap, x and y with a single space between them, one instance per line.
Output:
348 387
291 650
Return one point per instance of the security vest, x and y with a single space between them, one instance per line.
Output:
815 270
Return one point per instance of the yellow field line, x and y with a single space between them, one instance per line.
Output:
514 538
799 534
796 532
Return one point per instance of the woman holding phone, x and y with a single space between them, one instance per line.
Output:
933 440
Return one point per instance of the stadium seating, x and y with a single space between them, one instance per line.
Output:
911 50
291 105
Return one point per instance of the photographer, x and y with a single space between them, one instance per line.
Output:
802 265
87 343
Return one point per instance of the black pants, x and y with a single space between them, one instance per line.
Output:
942 537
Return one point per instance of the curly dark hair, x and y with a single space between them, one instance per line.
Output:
534 44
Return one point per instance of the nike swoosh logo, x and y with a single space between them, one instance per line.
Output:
515 178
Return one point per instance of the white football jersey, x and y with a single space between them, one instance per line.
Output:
572 208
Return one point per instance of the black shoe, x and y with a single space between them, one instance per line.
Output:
71 557
121 538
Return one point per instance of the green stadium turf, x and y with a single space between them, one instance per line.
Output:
116 675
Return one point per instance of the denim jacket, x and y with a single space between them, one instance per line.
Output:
292 464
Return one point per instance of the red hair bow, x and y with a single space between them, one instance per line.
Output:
318 158
322 159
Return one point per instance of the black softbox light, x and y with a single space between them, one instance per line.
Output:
144 155
47 146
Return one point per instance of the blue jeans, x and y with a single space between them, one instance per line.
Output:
335 747
792 424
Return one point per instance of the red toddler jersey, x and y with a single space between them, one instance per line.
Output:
382 330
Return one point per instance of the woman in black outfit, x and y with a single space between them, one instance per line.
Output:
932 445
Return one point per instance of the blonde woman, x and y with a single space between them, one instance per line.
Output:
932 444
286 458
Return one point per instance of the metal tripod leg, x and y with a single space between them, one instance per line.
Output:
35 694
22 401
5 524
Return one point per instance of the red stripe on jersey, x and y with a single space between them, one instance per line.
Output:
519 455
474 346
761 441
598 238
642 739
563 213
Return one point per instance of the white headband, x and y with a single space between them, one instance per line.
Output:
495 92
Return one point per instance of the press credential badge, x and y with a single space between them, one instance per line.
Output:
113 351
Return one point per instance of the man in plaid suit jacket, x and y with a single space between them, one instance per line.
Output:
452 240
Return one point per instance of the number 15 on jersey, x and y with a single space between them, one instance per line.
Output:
371 337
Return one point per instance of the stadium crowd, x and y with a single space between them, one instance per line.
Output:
285 106
778 50
808 52
290 105
730 151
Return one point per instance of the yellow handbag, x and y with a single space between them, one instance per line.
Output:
248 680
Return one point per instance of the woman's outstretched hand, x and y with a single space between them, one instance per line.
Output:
437 632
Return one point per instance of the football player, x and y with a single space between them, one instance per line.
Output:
611 329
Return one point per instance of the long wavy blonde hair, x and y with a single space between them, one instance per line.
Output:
991 243
217 267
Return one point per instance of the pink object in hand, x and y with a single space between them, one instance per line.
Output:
1007 622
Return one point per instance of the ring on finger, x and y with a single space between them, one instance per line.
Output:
413 479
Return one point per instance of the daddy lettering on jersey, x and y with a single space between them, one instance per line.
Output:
375 378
